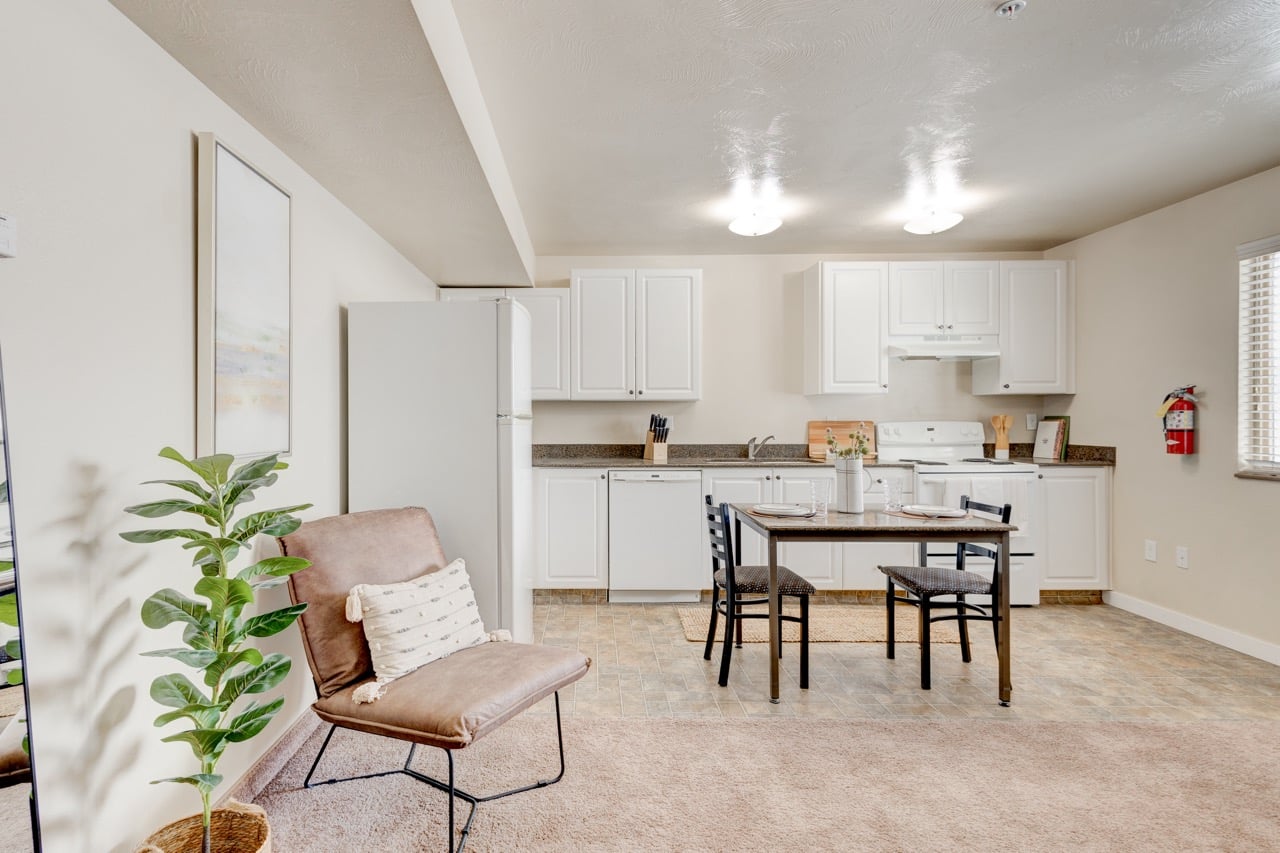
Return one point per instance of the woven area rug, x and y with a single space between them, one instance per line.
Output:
831 623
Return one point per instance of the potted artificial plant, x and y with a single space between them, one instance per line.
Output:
216 636
849 496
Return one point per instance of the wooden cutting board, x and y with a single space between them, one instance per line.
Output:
841 429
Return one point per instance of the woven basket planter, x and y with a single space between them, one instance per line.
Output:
233 828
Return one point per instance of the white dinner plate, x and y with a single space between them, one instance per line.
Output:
934 511
783 510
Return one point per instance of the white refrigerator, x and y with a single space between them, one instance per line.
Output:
439 415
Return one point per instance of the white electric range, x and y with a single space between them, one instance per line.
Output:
948 463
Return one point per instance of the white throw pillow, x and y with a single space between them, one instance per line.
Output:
413 623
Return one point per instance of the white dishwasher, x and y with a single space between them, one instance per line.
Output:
656 528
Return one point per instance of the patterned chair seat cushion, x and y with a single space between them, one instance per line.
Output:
754 580
925 580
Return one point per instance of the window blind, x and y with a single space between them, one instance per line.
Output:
1258 443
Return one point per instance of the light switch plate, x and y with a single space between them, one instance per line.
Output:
1032 420
1181 557
1149 550
8 236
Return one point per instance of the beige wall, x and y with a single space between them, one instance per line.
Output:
97 322
1156 309
752 375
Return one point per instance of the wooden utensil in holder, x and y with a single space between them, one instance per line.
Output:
1002 423
654 451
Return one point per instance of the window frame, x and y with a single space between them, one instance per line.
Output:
1258 413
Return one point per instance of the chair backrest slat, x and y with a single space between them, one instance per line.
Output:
1000 513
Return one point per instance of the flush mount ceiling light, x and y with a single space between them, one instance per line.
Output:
1010 10
755 224
932 222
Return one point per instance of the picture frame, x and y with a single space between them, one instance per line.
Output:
243 305
1050 440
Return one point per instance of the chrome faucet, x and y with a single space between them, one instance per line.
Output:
753 446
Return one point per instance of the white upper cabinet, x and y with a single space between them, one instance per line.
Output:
548 309
944 298
845 328
636 334
1037 332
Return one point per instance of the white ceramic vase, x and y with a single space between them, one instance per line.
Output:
849 497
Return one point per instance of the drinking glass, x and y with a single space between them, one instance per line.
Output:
819 497
892 494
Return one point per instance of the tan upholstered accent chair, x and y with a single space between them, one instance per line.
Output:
449 703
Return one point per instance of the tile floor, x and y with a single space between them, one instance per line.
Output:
1069 663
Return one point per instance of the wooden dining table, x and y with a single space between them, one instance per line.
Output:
874 526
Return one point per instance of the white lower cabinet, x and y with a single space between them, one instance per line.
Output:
816 562
571 524
1077 532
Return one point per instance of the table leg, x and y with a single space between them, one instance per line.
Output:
1006 627
775 622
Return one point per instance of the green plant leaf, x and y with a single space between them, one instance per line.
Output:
204 782
14 677
261 678
267 624
214 547
13 649
256 469
159 509
272 522
196 658
227 661
9 609
211 469
191 487
146 537
176 691
168 606
227 596
199 636
253 720
205 743
276 566
204 716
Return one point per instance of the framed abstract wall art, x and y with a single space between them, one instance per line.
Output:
243 343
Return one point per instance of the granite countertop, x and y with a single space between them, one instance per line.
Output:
770 456
678 456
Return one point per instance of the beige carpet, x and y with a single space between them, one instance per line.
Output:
833 623
799 785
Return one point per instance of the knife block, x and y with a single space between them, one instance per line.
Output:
653 451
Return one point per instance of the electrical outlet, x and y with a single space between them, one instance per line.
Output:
1149 550
1181 558
1032 420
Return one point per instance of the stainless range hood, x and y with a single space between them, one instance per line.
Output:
943 350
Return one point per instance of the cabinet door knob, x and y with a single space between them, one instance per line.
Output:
632 393
950 326
768 476
602 476
885 385
1006 384
641 391
939 325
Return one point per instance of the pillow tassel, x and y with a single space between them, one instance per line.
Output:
355 612
368 693
502 635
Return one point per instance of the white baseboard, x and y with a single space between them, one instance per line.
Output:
1252 646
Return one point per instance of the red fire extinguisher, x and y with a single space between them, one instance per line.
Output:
1178 414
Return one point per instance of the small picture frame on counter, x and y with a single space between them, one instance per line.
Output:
1050 444
1066 433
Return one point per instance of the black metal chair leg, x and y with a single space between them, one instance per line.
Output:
715 615
804 642
737 609
726 653
963 625
924 642
890 599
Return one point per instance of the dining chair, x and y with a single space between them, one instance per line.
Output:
449 703
927 583
745 586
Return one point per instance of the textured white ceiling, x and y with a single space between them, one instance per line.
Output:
351 91
624 125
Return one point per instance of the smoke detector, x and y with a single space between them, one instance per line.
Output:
1010 10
